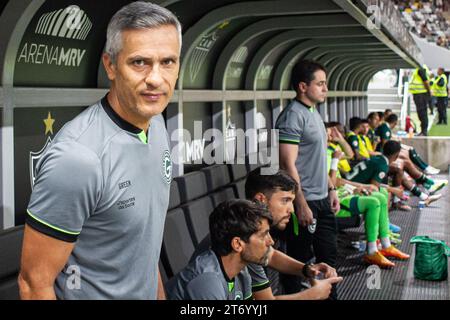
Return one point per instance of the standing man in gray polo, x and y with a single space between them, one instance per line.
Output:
303 146
96 215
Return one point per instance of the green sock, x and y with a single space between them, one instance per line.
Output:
417 160
415 191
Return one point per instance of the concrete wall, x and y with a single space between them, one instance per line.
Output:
434 150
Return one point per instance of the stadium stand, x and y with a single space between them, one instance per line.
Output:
428 19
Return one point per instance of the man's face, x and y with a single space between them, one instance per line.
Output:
316 91
258 249
365 128
329 137
393 124
281 205
374 121
146 71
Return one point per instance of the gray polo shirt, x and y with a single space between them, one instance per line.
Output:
302 125
102 185
204 278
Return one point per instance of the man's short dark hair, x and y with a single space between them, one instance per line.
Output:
332 124
364 121
380 114
391 147
387 111
392 118
372 115
303 71
235 218
268 184
354 123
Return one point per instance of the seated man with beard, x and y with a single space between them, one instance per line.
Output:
277 192
240 235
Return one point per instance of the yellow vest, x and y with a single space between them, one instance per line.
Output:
416 84
361 145
438 91
368 143
343 164
363 150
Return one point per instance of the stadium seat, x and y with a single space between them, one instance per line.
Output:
177 245
237 171
217 176
191 186
223 195
350 222
197 213
10 252
239 189
174 199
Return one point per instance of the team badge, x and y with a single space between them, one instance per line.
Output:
34 158
312 226
382 175
167 167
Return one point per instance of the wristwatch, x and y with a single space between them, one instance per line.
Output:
306 269
333 188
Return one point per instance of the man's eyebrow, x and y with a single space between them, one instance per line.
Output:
141 57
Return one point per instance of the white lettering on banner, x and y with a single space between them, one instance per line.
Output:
51 55
194 150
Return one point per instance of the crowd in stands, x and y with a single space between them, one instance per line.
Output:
428 19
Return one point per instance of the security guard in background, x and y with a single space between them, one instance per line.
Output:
439 90
420 89
431 81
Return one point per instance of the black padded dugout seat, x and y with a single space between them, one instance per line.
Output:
217 176
197 214
177 245
174 198
10 253
348 222
191 186
237 171
223 195
239 189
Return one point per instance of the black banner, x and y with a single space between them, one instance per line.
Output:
63 43
34 129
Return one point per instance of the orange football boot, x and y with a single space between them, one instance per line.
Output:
393 252
378 259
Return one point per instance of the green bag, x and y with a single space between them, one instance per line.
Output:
430 262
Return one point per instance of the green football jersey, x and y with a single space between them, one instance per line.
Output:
384 132
352 140
375 168
371 134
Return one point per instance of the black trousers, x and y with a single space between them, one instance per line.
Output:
322 243
421 100
442 109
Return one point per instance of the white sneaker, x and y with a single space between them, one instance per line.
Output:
431 170
438 185
432 198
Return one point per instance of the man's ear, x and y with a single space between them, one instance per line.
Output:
302 87
109 65
260 197
237 245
